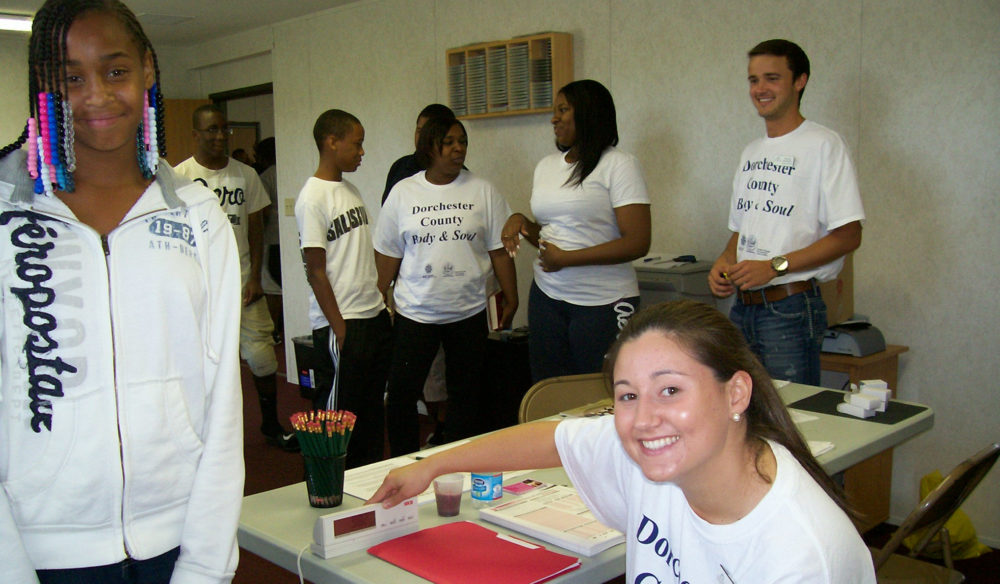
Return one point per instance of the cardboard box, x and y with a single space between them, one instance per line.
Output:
839 294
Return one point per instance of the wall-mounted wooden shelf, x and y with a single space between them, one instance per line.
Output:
506 78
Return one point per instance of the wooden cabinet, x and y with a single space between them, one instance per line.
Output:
868 484
504 78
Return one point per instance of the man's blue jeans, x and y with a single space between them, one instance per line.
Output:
786 335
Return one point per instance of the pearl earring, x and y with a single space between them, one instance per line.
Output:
737 417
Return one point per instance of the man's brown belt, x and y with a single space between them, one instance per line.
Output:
774 293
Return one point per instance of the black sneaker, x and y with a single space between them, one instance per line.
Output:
286 441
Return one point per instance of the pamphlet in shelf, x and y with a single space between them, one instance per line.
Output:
494 309
557 515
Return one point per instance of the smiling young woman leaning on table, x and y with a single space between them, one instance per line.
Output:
700 466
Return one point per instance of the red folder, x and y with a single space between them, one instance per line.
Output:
463 552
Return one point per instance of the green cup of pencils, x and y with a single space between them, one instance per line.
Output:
323 436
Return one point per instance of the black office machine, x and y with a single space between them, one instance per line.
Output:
856 338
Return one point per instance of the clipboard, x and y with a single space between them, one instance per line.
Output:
463 552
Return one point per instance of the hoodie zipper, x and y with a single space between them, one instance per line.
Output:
106 247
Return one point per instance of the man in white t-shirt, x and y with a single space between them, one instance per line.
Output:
795 213
243 199
351 329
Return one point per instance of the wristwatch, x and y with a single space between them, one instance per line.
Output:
779 264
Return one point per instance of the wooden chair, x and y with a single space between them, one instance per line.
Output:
557 394
931 514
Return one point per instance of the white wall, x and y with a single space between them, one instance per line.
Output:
259 108
911 84
14 90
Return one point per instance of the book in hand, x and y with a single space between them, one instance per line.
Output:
463 552
558 515
494 309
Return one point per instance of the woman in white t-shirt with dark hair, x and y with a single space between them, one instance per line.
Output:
592 219
438 237
701 466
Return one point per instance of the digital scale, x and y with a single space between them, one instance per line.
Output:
342 532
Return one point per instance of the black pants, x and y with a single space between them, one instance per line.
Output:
414 347
156 570
364 366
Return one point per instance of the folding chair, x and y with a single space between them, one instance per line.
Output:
931 514
557 394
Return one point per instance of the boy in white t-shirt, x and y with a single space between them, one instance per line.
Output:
351 330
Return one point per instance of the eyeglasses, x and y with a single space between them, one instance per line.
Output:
226 131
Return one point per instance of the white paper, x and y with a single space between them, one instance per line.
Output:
818 447
800 417
558 515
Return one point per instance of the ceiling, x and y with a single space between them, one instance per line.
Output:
180 22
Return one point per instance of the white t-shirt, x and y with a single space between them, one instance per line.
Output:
444 234
240 193
332 216
582 216
791 191
796 533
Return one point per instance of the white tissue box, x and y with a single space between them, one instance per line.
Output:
883 395
866 401
853 410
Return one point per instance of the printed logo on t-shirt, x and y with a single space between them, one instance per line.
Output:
433 217
449 271
648 534
228 198
347 222
234 197
760 188
748 243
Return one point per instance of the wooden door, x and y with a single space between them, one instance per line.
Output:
177 120
245 136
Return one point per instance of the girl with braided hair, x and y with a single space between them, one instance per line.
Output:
120 416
